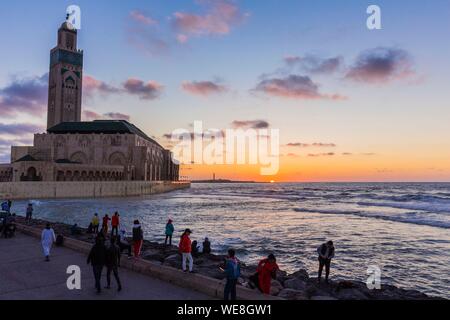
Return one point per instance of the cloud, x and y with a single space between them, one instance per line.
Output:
381 65
294 87
203 88
219 19
347 154
92 85
329 154
146 91
27 95
293 155
89 115
250 124
20 129
140 17
314 64
315 144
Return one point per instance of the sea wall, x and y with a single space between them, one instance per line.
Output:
86 189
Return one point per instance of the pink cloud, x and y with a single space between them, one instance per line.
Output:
203 88
89 115
220 18
146 91
142 18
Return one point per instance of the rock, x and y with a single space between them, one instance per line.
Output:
291 294
173 261
322 298
296 284
351 294
302 274
275 287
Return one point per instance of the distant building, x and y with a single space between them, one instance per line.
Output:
71 150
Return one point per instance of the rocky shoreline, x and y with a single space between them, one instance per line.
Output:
296 286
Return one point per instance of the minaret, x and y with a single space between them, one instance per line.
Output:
65 78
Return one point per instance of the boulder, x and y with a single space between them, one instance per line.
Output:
291 294
351 294
275 287
302 274
173 261
296 284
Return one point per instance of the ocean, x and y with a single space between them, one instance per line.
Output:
403 228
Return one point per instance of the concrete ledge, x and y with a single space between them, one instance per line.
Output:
197 282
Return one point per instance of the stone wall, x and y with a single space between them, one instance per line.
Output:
55 190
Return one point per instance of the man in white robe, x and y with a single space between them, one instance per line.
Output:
47 239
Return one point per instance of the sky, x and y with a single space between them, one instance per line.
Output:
350 104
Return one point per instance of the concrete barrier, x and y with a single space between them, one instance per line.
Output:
212 287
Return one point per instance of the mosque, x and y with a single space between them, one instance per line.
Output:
72 150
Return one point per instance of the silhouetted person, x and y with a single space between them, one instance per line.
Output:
233 272
138 238
29 212
194 248
97 257
326 253
206 246
169 232
112 262
115 222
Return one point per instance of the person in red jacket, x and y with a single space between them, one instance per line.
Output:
267 270
115 224
185 248
105 223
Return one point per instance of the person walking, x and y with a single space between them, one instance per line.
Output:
29 212
138 238
233 272
47 239
185 248
105 224
267 270
95 223
115 222
97 258
169 232
112 263
326 253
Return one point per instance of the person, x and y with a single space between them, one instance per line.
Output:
112 262
169 232
326 253
206 246
75 230
105 223
5 206
29 212
9 205
115 224
95 223
138 238
185 248
233 272
97 258
123 244
267 270
194 250
47 239
6 223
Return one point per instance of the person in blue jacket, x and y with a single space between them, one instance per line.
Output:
169 232
233 272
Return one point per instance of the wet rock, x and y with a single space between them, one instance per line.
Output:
351 294
296 284
173 261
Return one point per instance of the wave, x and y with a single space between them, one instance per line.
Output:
408 217
435 207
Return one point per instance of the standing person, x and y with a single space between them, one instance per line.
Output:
123 244
115 221
138 238
9 205
185 248
326 253
95 223
169 232
105 223
233 272
206 246
267 270
47 239
5 206
29 212
97 257
112 262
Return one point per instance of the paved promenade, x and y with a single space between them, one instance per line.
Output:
24 275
